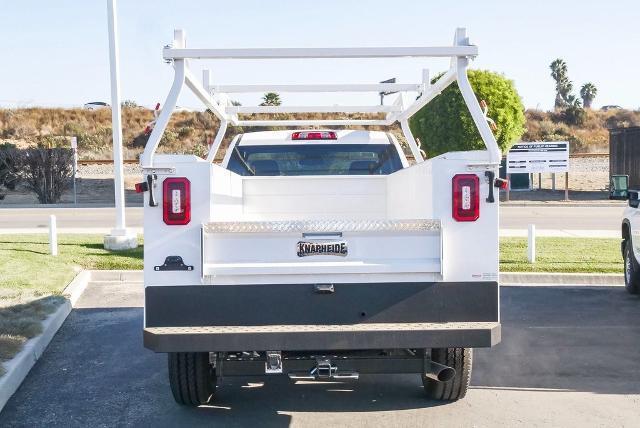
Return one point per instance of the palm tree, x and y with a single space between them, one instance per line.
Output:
559 73
588 92
271 99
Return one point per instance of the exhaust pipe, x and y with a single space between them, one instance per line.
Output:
439 372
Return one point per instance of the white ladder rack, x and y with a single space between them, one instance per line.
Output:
215 96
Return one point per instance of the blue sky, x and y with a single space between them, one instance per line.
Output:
55 53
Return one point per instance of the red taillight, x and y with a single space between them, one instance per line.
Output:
314 135
176 201
466 197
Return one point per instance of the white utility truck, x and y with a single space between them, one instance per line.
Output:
319 253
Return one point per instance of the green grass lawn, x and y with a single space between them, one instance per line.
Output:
26 264
31 280
584 255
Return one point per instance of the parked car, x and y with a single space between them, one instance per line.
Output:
631 243
610 107
96 105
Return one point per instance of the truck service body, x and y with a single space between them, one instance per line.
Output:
320 253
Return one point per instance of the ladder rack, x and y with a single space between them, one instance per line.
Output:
215 96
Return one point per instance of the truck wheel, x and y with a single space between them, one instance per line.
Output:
192 378
631 269
461 360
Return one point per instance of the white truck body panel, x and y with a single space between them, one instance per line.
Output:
469 252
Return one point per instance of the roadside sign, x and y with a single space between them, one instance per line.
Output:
74 142
538 157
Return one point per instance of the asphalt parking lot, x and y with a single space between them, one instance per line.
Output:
569 357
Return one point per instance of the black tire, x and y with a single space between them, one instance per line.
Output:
191 377
461 359
631 269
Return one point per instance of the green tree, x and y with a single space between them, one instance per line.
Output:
445 124
564 86
271 99
588 92
573 113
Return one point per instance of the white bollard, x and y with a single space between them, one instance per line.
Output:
53 236
531 243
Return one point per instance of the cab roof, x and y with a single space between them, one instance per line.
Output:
284 137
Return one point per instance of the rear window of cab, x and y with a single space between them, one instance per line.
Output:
315 159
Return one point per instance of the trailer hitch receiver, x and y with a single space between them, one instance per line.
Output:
324 370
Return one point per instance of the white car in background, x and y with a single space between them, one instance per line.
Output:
95 105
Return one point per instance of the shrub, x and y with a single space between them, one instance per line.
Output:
45 171
169 138
623 118
140 140
129 104
574 115
185 131
201 150
445 124
8 178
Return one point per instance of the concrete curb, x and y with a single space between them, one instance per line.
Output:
65 230
19 366
516 278
71 205
561 233
117 275
590 204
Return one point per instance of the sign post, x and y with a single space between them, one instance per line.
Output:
540 157
74 147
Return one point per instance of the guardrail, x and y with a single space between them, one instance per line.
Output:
136 161
104 161
589 155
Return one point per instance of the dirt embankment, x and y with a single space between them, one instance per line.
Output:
591 135
189 132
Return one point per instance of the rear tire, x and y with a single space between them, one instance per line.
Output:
192 379
631 269
461 360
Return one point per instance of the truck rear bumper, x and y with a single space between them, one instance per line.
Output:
324 337
300 317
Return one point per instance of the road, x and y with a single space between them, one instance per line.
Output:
92 218
569 357
511 217
554 217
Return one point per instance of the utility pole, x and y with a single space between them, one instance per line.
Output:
120 238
